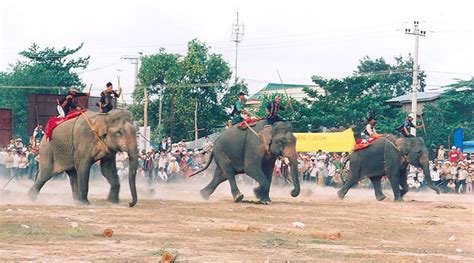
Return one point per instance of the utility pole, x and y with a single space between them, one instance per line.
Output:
417 33
237 37
196 125
135 61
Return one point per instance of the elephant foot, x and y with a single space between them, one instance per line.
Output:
381 197
398 199
33 194
340 194
205 194
113 200
265 201
83 202
238 198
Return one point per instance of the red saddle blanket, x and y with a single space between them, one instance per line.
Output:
53 122
250 121
360 144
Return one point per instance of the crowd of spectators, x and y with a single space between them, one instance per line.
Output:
172 162
451 171
19 160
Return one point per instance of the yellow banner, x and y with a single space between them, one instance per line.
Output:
327 141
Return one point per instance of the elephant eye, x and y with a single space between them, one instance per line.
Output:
119 133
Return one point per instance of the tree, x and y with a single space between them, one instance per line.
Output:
349 101
46 68
45 71
454 109
181 82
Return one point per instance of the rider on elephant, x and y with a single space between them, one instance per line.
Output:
369 133
69 102
404 129
272 110
238 109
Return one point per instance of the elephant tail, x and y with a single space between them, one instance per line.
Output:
205 167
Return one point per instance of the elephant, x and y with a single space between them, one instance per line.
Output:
388 156
79 142
252 151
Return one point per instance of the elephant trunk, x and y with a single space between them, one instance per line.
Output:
294 172
426 171
133 159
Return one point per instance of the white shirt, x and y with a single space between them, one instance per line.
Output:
163 175
370 130
162 162
435 175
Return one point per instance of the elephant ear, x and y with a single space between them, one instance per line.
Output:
100 125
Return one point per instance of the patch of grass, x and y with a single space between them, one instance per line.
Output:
321 241
76 233
276 242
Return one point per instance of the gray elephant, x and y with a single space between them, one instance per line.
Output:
73 148
242 151
388 156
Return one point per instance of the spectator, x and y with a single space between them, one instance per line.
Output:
313 171
469 182
9 162
453 155
22 164
451 186
461 179
435 177
147 167
38 134
461 156
441 153
164 146
174 169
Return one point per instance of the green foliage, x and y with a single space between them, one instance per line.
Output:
45 68
180 82
351 100
454 109
16 100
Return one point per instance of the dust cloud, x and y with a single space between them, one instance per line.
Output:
57 191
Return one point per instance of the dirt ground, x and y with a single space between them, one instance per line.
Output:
426 227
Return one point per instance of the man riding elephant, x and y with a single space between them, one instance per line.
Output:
272 109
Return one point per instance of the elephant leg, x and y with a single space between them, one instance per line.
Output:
109 171
262 192
403 182
345 188
216 181
83 172
395 183
238 196
377 188
73 182
45 173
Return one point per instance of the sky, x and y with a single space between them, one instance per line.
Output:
298 38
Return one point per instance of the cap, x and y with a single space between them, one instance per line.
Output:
242 93
411 115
